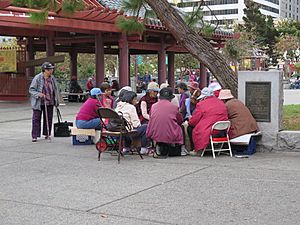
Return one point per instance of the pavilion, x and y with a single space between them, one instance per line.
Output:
91 30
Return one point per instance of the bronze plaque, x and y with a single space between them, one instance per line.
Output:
258 100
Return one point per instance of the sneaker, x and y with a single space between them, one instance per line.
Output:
194 153
144 151
125 150
184 151
157 150
34 140
47 137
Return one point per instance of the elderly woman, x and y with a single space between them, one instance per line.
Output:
44 95
122 91
147 101
87 117
164 125
184 94
127 107
190 103
241 119
209 110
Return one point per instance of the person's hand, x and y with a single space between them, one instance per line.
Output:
41 95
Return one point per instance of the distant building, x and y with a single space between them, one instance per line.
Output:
231 11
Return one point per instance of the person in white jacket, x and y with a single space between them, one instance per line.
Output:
127 107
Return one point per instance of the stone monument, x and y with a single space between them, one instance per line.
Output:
262 93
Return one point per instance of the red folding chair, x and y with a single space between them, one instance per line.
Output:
219 140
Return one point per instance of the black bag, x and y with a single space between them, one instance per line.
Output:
169 149
116 125
61 129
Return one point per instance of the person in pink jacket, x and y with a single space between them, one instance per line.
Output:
164 126
208 111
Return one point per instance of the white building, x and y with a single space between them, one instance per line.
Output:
230 11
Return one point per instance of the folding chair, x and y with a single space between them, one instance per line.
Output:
220 128
112 139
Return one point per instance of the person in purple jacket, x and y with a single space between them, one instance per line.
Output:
165 121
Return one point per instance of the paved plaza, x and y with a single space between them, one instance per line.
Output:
58 183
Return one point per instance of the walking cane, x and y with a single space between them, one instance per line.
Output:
47 121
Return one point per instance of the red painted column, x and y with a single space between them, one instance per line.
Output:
203 76
171 70
99 51
29 56
123 61
162 62
73 63
50 45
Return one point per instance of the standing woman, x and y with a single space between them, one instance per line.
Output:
44 93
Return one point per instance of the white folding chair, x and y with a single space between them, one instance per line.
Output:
217 143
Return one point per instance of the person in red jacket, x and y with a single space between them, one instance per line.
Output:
209 110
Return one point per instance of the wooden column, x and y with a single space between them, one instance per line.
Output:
203 76
129 62
123 61
162 61
171 70
50 45
29 56
73 63
99 51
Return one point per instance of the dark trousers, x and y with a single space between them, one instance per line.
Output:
141 133
36 121
190 133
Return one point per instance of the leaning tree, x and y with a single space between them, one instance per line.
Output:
192 41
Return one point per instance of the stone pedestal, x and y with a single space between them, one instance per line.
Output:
262 93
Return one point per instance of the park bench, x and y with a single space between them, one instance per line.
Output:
245 144
65 95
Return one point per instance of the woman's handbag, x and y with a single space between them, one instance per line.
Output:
61 129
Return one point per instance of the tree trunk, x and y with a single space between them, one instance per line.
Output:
195 44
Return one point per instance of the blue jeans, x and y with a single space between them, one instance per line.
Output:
89 124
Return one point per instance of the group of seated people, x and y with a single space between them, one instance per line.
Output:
160 117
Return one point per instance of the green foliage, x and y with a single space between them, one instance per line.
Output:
261 26
132 6
68 7
289 27
38 17
130 25
297 67
291 118
194 18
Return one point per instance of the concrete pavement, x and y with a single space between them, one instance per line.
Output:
57 183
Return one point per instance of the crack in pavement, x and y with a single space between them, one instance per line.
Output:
6 164
149 188
83 211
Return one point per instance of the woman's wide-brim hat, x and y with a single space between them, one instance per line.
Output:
215 86
225 94
194 85
206 92
153 86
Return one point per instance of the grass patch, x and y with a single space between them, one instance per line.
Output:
291 117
